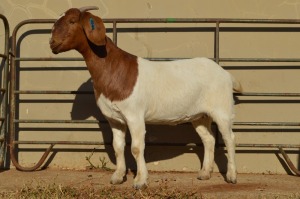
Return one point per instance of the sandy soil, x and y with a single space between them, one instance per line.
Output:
248 186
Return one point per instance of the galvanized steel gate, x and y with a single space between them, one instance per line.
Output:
14 92
4 93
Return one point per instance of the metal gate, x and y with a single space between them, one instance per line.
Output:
4 94
216 29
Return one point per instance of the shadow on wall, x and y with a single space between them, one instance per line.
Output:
84 107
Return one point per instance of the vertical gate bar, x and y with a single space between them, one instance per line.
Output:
115 40
6 71
217 58
12 96
3 160
217 42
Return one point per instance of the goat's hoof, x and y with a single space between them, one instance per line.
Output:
203 175
116 179
232 181
231 178
140 186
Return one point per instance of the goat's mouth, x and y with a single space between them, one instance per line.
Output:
55 48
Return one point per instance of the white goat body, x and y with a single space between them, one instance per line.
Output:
174 92
132 91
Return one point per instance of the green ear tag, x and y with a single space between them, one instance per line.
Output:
92 23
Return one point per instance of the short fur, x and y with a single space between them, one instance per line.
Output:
132 91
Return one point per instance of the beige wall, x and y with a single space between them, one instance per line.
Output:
233 45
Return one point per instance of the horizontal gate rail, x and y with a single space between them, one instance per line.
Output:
91 92
216 29
166 59
249 94
295 124
4 94
296 146
58 121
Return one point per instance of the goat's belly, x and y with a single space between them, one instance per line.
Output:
174 113
179 119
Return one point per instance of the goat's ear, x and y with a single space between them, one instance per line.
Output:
94 28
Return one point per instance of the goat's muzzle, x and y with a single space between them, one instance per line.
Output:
54 45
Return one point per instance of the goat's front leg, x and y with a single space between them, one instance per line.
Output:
138 131
119 131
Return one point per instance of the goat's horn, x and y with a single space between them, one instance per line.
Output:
86 8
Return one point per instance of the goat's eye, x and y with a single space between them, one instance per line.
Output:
71 21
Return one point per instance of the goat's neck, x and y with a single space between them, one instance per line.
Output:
114 71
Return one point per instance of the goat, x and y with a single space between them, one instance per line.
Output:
131 91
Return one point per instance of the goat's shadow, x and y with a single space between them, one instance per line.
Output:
161 147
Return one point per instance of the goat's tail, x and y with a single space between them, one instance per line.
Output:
236 85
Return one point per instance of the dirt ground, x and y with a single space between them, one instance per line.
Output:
248 186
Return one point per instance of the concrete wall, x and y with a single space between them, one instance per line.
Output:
254 77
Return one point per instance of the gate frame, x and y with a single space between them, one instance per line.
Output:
4 92
217 22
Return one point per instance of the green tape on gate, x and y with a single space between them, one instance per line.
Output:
170 20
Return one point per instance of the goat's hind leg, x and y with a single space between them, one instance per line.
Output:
225 129
119 131
203 128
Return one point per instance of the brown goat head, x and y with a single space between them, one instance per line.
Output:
74 28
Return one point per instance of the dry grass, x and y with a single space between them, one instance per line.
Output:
49 191
56 191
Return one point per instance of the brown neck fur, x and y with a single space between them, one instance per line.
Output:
114 71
